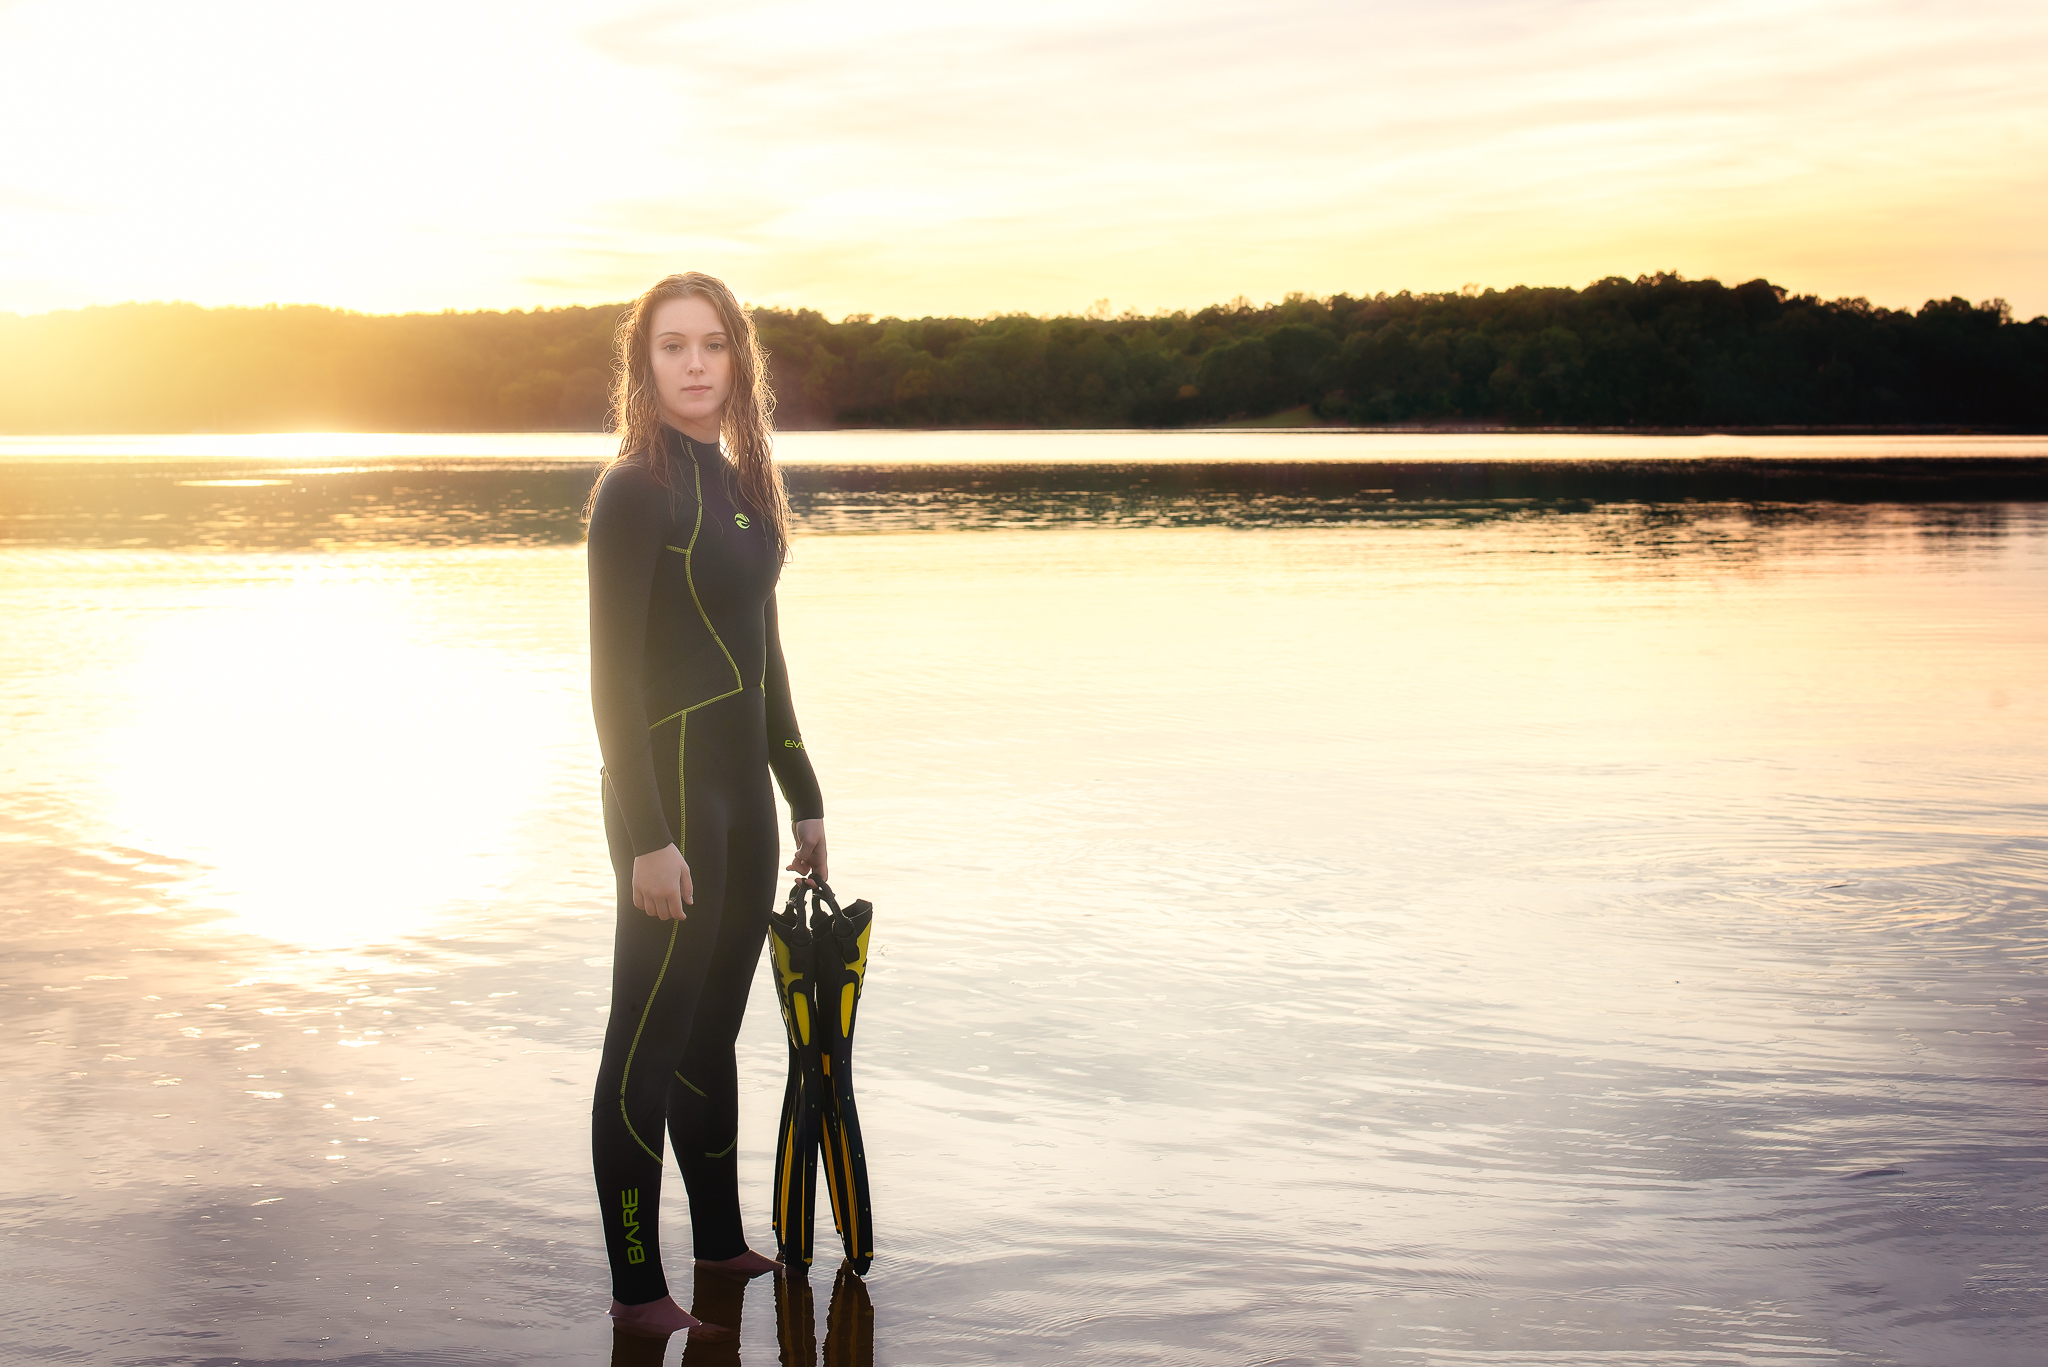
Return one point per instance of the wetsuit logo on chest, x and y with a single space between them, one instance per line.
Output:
742 521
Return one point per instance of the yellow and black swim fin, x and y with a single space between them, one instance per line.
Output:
796 1139
839 958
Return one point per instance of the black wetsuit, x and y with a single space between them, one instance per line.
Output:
693 711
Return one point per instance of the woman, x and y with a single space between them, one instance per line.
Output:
693 711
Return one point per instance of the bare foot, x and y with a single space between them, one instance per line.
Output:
748 1264
658 1318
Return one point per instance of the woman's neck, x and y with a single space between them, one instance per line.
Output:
704 434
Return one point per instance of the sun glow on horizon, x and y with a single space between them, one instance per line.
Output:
913 158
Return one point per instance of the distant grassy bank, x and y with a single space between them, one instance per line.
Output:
1658 351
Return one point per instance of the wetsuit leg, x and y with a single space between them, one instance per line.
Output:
703 1112
659 969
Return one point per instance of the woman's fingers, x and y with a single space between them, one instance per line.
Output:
661 883
810 849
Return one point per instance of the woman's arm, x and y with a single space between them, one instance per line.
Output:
788 759
627 524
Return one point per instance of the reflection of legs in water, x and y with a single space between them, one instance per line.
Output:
713 1324
850 1323
718 1300
632 1349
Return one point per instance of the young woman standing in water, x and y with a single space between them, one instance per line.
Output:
691 696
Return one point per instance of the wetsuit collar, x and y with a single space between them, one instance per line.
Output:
682 443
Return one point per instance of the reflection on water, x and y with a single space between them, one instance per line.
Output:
1518 940
528 490
256 738
883 446
719 1299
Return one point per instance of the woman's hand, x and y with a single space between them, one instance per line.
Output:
810 849
661 883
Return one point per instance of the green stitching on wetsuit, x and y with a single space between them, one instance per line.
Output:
707 1096
635 1133
690 574
682 797
689 553
645 1011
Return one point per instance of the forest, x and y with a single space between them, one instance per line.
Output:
1655 352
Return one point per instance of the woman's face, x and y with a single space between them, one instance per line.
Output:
692 363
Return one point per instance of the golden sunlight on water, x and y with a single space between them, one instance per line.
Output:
316 743
303 742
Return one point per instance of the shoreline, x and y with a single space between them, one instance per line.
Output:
200 503
1258 426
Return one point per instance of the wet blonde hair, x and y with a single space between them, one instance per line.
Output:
746 423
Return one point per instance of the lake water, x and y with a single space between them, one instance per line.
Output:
1314 926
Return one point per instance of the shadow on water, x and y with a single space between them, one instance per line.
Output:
238 506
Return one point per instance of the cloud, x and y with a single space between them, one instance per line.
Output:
918 157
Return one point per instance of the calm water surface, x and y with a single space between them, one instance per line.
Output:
887 447
1557 936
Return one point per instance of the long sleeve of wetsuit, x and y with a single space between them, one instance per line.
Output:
627 525
787 757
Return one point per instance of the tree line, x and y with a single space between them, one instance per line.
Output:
1654 352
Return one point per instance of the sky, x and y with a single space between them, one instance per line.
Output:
894 157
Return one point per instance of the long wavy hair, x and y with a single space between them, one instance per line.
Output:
745 426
